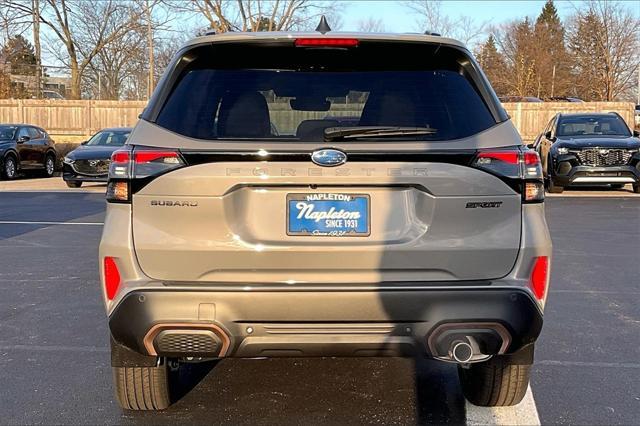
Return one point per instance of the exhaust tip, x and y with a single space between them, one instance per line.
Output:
462 352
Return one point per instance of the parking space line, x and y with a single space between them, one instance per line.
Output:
24 222
589 364
53 348
524 413
593 195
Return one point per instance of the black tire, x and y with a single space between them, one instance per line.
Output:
49 166
142 388
636 188
9 168
553 188
73 183
495 383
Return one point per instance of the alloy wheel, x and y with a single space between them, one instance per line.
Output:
49 166
10 168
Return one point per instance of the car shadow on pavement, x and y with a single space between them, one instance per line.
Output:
313 391
39 210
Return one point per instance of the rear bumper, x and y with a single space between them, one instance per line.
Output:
405 322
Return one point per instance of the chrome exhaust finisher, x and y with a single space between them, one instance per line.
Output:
467 343
464 351
461 352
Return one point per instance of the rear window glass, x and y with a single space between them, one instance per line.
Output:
296 94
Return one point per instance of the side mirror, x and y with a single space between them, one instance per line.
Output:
549 137
531 145
83 142
23 139
636 133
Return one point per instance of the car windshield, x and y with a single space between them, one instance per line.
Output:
301 95
591 125
7 132
109 138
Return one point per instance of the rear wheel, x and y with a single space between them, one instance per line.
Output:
10 168
73 183
142 388
495 383
636 188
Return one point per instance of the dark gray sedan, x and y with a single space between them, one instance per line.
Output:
90 161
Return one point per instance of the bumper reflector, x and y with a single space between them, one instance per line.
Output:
540 277
111 277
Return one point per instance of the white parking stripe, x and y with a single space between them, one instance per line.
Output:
524 413
19 222
53 348
589 364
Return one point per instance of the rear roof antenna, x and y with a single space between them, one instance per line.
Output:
323 27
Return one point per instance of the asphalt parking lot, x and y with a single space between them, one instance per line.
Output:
54 359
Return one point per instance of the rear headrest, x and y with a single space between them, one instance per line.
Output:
244 115
390 109
313 130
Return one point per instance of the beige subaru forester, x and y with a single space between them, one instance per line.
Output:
324 194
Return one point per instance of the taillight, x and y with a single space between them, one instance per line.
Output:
326 42
135 165
523 169
111 277
540 277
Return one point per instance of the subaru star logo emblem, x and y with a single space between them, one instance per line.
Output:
329 157
92 163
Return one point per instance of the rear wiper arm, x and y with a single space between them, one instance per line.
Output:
344 133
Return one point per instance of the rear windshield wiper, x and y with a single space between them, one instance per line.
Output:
356 132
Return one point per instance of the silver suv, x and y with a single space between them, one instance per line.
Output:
309 195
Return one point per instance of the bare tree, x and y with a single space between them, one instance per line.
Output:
371 25
431 17
258 15
113 66
604 43
13 21
82 29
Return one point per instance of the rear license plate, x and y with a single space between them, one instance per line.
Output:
328 214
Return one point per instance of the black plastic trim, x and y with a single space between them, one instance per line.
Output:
422 310
463 157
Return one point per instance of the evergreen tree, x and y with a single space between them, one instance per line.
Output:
551 52
18 53
494 65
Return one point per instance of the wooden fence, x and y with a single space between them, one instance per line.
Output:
85 117
72 118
